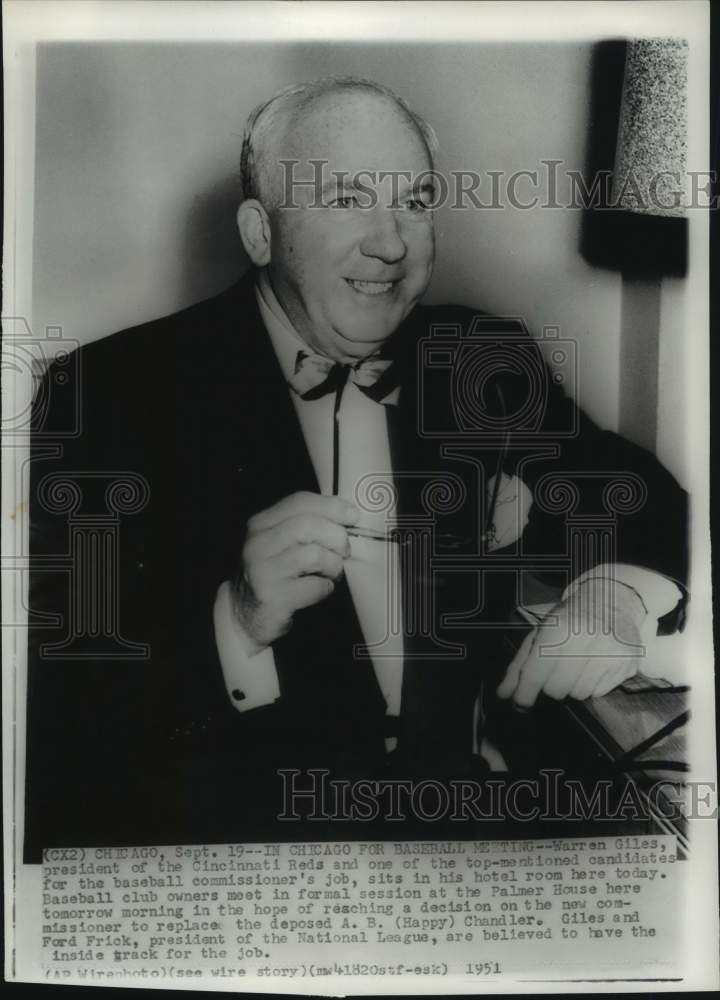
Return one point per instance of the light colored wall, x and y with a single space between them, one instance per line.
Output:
675 393
137 149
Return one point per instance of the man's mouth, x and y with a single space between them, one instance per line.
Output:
371 287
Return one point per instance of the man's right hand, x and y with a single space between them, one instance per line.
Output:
293 553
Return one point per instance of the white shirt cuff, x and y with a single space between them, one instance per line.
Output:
251 679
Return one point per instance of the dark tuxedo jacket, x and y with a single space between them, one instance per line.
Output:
131 735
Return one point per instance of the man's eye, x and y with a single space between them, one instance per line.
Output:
419 203
345 201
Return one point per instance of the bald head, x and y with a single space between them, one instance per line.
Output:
279 129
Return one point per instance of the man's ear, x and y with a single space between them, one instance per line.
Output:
254 226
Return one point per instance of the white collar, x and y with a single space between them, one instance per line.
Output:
285 340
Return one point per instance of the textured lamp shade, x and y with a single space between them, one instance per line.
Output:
637 142
638 127
651 154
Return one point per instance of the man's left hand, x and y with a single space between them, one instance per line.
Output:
587 645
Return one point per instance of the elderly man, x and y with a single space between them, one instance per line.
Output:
299 595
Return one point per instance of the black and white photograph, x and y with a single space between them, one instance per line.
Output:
356 549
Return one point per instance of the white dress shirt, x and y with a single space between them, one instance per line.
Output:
372 571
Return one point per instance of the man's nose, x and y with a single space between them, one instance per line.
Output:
382 237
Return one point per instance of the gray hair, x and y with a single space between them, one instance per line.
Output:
263 121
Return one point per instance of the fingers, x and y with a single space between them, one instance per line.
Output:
587 650
580 667
307 590
541 669
575 661
601 674
301 528
592 686
595 674
293 552
310 560
510 681
264 578
628 669
534 676
331 508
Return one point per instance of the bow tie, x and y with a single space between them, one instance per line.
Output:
315 376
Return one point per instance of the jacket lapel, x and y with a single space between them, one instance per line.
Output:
438 686
276 461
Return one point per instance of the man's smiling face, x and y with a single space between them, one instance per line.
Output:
348 275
